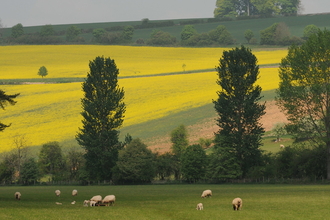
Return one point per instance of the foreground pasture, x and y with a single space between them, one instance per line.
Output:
169 202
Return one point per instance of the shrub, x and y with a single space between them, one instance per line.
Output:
161 38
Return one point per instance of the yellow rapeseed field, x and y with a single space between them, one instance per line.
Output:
72 60
51 112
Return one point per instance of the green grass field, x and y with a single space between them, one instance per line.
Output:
260 201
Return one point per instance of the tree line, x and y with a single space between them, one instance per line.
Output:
276 34
234 153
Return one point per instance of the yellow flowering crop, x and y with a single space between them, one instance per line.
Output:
72 60
51 112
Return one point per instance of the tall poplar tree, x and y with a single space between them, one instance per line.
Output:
103 114
239 110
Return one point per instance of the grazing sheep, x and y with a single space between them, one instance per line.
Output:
18 195
58 203
92 203
86 203
237 204
97 199
281 146
199 206
74 202
206 193
109 200
74 192
57 192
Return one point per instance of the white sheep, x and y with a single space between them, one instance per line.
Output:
92 203
86 202
199 206
109 200
73 202
206 193
18 195
57 192
97 199
237 204
58 203
74 192
282 146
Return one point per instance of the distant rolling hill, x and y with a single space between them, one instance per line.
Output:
237 28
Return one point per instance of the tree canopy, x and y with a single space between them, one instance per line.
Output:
51 159
304 91
17 30
264 8
135 163
238 108
103 113
43 71
5 100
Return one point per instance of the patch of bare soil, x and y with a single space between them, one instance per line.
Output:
207 128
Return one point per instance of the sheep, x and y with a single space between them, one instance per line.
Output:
206 193
18 195
58 203
109 200
92 203
74 192
73 202
86 202
199 206
237 204
281 146
57 192
97 199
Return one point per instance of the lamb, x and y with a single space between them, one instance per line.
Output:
109 200
74 192
281 146
86 202
73 202
18 195
199 206
237 204
206 193
57 192
97 199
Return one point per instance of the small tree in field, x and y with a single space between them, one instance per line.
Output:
238 109
43 71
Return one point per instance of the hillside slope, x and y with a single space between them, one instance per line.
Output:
296 25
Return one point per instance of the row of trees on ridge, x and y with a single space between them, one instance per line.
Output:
276 34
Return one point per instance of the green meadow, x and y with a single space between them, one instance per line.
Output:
260 201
